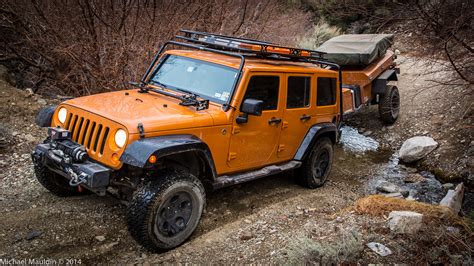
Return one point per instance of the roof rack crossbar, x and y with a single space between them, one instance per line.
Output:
228 46
253 41
229 43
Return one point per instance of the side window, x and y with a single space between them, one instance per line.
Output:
298 92
264 88
326 91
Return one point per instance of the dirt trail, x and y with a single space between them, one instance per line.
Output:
256 221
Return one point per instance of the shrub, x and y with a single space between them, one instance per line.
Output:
320 33
307 251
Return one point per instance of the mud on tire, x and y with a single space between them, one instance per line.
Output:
55 183
317 166
389 105
165 211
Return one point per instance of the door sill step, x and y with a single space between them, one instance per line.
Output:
229 180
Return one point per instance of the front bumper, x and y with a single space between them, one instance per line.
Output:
88 174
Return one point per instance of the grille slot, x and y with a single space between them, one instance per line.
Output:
76 131
72 125
82 135
68 121
89 141
104 139
97 136
89 133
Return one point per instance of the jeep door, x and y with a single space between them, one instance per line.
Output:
254 144
310 99
298 114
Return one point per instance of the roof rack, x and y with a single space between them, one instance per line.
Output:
247 46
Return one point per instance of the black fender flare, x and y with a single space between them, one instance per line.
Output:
315 132
45 116
380 83
138 152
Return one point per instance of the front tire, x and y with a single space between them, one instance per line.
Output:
389 105
55 183
317 166
164 212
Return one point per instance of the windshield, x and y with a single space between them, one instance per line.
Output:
208 80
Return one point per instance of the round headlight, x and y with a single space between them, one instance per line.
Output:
120 138
62 114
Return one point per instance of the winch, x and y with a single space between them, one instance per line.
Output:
71 160
61 141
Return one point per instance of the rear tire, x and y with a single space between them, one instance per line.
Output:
317 166
55 183
164 212
389 105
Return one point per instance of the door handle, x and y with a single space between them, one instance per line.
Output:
305 118
274 120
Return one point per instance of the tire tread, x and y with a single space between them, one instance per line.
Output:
305 177
385 106
140 209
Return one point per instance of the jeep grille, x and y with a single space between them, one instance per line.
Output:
91 134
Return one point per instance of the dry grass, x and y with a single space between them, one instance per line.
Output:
377 205
346 248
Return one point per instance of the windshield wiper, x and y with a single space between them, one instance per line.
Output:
163 86
189 99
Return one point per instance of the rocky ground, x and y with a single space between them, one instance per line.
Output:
271 220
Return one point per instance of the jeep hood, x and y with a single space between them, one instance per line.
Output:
155 111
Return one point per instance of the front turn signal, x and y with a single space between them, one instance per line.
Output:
152 159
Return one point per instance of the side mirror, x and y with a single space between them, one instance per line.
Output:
250 107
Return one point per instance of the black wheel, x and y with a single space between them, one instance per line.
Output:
164 212
317 166
389 105
55 183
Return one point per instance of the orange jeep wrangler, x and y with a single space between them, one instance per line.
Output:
221 112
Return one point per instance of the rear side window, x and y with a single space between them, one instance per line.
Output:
298 92
264 88
326 91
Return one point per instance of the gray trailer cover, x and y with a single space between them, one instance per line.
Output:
356 49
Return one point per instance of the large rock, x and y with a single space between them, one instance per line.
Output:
3 71
405 222
413 178
416 148
387 187
453 198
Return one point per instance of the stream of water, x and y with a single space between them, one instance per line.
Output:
429 190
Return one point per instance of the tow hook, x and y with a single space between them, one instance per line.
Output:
76 179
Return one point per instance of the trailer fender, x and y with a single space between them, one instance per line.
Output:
314 133
380 83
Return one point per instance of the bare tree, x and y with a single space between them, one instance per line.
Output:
86 46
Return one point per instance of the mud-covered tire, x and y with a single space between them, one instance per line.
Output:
315 169
173 201
389 105
55 183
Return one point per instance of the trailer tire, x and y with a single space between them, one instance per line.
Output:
389 105
165 211
315 169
